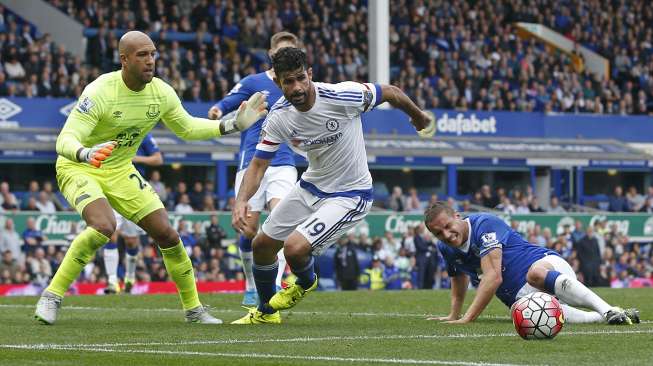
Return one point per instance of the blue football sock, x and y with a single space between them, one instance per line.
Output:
245 244
550 281
306 275
264 277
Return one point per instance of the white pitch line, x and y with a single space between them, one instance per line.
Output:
315 339
284 357
220 310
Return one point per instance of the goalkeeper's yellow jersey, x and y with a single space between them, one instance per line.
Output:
108 110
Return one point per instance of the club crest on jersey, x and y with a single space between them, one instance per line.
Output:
332 125
85 105
153 111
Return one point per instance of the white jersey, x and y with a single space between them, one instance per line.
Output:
331 136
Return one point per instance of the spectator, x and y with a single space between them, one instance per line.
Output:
391 275
9 267
44 204
158 186
635 200
347 268
40 268
487 200
32 237
413 203
196 196
8 199
214 235
186 236
522 208
578 232
183 207
590 257
11 241
47 188
426 258
534 206
32 192
397 200
554 206
617 202
208 203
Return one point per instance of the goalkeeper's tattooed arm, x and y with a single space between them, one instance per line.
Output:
398 99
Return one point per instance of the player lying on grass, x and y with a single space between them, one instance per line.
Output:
95 171
333 195
511 268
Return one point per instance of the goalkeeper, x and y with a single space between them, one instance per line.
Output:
94 170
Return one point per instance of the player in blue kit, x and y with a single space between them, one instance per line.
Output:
149 154
279 179
483 248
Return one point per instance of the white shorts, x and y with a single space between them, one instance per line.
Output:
558 263
322 221
126 227
276 183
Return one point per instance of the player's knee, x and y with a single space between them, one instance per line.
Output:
535 276
104 227
166 237
296 250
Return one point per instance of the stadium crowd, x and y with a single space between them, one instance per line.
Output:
458 54
600 254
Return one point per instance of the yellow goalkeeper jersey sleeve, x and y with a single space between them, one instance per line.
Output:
108 110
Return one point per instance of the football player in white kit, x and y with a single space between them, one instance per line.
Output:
333 195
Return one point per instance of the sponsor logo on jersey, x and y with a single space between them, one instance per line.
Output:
85 105
117 114
332 125
153 111
128 137
327 140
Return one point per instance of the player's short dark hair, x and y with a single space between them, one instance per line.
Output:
283 37
288 59
436 209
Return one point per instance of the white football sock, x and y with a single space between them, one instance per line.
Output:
130 267
575 316
248 259
572 292
282 267
111 257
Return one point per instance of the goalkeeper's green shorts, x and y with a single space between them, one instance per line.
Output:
124 187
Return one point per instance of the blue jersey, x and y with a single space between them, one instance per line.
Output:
148 147
260 82
488 232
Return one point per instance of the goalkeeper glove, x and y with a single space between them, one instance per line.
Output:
249 112
429 130
97 154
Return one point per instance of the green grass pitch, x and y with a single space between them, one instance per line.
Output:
327 328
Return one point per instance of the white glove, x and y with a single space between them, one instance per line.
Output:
429 130
249 112
97 154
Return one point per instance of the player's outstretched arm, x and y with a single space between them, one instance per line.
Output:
78 127
194 128
490 282
459 286
249 186
423 121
